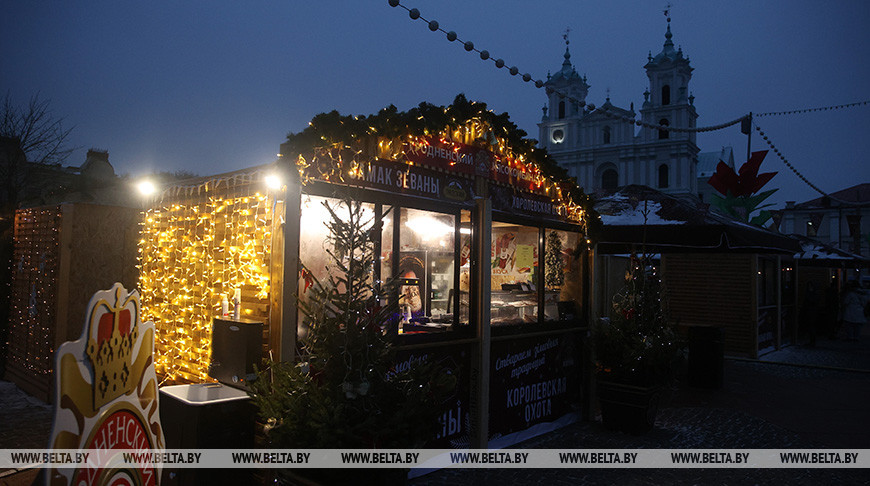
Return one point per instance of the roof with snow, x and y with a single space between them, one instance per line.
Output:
819 254
637 215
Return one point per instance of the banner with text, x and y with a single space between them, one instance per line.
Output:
102 459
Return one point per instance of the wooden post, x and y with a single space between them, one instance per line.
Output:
481 299
290 254
779 302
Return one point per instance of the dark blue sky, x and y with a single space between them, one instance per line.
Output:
215 86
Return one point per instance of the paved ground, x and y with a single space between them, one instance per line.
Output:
798 397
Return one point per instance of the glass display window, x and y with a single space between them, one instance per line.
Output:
315 244
426 270
514 273
563 292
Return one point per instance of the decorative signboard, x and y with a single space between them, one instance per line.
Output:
508 200
471 160
106 393
534 380
413 180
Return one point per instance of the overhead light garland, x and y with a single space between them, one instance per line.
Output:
812 110
434 26
788 164
499 63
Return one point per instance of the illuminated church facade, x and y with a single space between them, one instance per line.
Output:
605 152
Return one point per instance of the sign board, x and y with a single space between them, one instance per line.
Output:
413 180
470 160
106 394
534 380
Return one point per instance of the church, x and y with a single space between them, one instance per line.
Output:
602 149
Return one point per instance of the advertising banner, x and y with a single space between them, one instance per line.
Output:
534 380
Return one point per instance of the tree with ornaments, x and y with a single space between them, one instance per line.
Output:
344 391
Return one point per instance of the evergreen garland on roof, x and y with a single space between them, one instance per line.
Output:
358 132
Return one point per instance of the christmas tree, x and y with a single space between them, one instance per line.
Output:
637 345
344 391
553 275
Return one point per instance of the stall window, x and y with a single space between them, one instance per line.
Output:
315 245
562 276
426 269
459 301
514 267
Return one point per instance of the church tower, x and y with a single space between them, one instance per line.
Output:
566 93
601 148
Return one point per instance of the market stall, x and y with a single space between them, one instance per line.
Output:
488 241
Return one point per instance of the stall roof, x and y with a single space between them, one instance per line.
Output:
816 253
678 223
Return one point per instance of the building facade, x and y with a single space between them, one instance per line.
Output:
605 152
841 220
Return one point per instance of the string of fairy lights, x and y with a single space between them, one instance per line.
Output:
788 164
34 289
452 36
195 250
813 110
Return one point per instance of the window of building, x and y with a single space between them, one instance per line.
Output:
609 180
663 176
666 94
426 268
663 133
514 274
563 285
561 109
606 134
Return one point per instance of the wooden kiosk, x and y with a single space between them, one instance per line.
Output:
491 245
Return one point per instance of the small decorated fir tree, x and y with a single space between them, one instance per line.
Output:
345 393
638 344
553 276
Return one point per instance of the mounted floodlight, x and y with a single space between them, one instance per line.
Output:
273 182
146 187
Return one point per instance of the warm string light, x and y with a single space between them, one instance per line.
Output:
192 253
34 289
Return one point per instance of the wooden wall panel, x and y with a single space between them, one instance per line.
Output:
63 254
715 290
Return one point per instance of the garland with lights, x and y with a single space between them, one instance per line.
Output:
196 248
337 143
793 169
35 268
434 26
638 344
812 110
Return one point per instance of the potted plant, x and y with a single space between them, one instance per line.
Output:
344 392
634 351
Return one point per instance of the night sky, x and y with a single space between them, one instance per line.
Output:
215 86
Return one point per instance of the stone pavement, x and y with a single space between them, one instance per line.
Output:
798 397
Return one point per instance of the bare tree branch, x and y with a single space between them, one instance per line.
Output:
42 136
